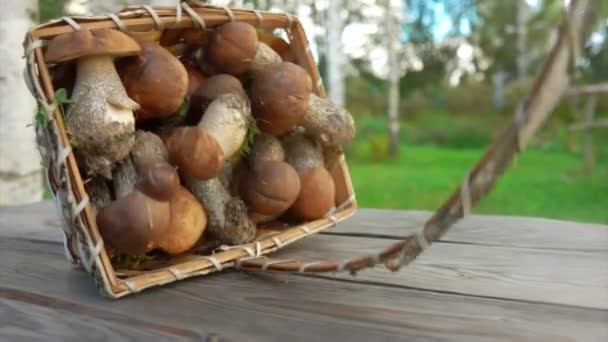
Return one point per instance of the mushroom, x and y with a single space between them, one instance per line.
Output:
100 118
157 212
156 80
208 91
200 151
234 49
317 194
99 192
272 185
227 216
187 223
282 98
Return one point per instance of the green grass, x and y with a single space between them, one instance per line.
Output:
541 183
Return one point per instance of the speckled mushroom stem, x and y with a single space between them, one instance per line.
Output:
227 216
227 119
302 152
264 57
331 124
101 118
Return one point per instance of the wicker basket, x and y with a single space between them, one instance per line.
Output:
83 242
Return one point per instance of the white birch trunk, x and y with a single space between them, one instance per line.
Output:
522 32
335 59
393 20
20 168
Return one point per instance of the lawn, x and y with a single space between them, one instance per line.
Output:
540 183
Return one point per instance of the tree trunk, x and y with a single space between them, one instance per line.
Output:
393 10
588 134
522 32
335 59
20 170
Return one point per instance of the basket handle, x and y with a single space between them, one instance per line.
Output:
533 110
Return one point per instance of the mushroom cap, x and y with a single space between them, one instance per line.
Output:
212 88
280 96
187 223
156 80
232 47
131 224
195 37
196 153
77 44
271 188
159 181
316 196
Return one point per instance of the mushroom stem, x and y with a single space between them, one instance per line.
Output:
264 57
330 123
125 177
101 118
99 192
227 216
227 119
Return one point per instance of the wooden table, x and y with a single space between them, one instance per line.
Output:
490 278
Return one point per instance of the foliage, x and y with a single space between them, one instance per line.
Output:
50 9
425 176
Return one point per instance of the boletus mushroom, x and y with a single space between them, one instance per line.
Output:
100 119
282 98
151 211
200 151
210 89
234 48
156 80
228 221
272 185
316 197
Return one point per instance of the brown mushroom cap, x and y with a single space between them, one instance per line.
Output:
131 224
196 153
159 181
156 80
271 188
186 226
194 37
279 97
232 47
316 197
77 44
212 88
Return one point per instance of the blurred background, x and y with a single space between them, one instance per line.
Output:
430 83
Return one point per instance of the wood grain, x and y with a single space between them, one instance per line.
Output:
44 291
508 231
551 276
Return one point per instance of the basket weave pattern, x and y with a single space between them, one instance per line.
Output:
83 242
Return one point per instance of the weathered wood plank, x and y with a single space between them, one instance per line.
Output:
551 261
577 278
238 306
487 230
39 221
32 317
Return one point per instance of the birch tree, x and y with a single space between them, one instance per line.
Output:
521 44
335 58
20 168
393 20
